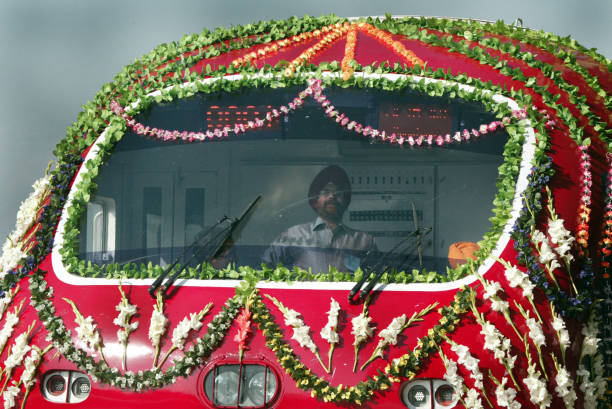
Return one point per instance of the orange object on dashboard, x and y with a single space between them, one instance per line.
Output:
459 252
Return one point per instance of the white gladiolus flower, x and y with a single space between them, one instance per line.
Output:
560 236
470 363
11 250
559 326
590 342
538 391
157 328
12 318
361 328
453 377
292 318
191 323
558 232
565 387
499 305
18 351
514 276
126 312
535 332
491 289
505 397
329 330
389 335
538 237
587 387
472 400
547 255
9 396
30 365
87 331
302 335
517 278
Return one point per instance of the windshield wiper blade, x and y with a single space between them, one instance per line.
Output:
153 287
383 261
221 238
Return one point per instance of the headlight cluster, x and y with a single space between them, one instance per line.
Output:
240 385
66 386
429 394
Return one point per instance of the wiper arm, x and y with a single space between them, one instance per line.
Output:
383 262
187 250
220 238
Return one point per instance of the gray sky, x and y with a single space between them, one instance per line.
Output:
56 54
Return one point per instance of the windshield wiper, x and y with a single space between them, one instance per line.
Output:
384 265
230 233
383 261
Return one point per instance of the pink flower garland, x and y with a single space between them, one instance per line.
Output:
585 199
314 89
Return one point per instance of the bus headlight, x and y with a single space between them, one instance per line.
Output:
245 385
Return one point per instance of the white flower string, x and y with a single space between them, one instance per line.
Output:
558 325
330 330
158 326
388 336
126 312
495 342
16 354
361 330
536 334
87 330
301 331
538 390
12 318
565 385
182 330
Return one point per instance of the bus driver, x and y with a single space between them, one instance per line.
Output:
326 242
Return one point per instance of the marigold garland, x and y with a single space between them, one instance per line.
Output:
387 40
336 33
349 54
278 45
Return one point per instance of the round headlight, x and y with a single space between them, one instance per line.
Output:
262 383
418 396
226 388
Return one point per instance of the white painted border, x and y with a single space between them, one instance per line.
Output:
522 182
